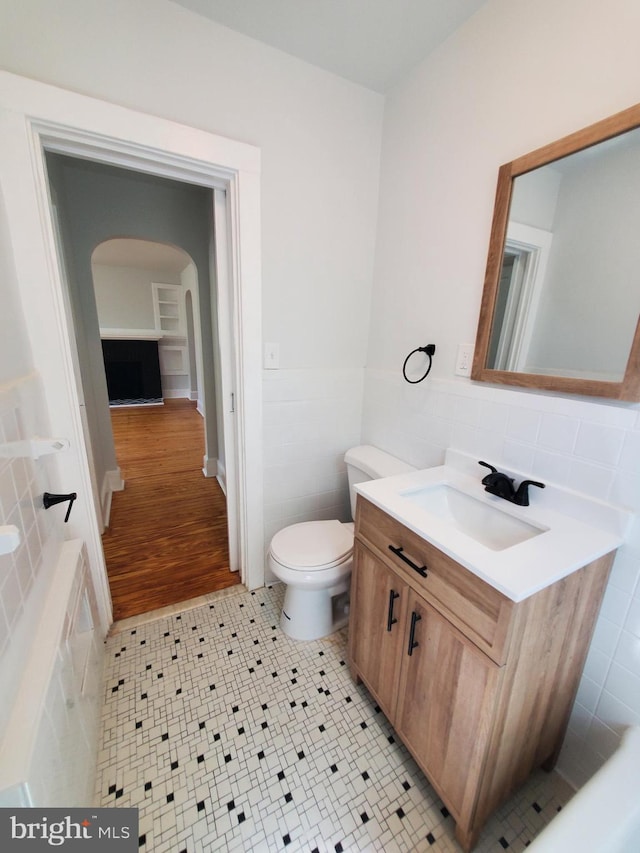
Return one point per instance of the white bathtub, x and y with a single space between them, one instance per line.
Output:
604 815
48 752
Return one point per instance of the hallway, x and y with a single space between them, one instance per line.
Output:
167 536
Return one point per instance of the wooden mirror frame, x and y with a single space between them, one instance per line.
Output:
629 387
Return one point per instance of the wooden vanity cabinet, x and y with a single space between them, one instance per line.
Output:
478 687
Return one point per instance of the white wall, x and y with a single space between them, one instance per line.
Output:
516 76
124 297
319 136
124 300
15 353
320 145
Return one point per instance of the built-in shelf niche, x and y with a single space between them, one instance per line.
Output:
173 360
168 310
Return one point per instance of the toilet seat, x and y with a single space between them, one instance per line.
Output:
312 545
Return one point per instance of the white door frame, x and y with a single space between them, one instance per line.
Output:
227 474
34 117
533 246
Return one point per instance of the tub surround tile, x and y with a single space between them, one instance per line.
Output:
632 623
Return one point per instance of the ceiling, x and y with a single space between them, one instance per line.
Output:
140 254
371 42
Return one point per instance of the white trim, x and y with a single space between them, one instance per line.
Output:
178 291
33 116
189 280
209 466
111 483
130 334
177 394
534 244
230 398
116 483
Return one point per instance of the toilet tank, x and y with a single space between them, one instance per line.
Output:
367 462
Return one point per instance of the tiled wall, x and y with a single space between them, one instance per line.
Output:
311 417
22 482
593 448
66 730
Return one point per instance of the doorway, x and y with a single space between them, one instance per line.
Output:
166 536
127 296
36 118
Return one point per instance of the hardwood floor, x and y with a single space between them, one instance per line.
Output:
167 536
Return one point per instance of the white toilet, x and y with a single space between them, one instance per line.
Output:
314 558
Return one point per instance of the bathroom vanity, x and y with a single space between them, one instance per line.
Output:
478 686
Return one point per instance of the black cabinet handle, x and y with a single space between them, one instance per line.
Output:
390 620
415 617
421 570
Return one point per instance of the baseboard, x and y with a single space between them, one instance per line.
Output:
176 393
209 466
111 483
221 477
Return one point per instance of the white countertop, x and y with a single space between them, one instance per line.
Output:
576 529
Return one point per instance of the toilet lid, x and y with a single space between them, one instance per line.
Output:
312 543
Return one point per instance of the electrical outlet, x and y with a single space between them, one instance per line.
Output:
465 357
271 357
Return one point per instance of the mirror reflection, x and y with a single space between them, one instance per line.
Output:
568 296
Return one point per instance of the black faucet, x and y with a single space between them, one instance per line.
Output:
499 484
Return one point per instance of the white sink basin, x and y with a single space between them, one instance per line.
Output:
496 540
483 522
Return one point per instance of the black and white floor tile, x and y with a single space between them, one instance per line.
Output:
229 736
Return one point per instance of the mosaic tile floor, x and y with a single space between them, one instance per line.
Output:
229 736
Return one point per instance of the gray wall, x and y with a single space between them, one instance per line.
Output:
95 203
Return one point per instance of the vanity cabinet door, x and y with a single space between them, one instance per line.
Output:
446 704
376 633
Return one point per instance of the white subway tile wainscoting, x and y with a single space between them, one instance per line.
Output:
311 417
586 446
229 736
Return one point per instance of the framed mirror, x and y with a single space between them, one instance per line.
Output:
561 302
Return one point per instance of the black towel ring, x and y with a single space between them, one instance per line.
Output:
429 351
